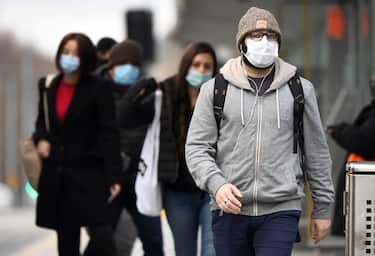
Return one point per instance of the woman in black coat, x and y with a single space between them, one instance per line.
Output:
80 150
357 138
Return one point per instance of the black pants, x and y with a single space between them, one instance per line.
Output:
149 228
101 241
68 240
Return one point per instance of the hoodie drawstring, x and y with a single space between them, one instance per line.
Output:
242 114
278 108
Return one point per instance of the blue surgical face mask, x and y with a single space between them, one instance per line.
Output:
69 63
196 79
126 74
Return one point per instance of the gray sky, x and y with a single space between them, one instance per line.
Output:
42 23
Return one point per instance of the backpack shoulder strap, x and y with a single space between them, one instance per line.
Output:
220 91
296 89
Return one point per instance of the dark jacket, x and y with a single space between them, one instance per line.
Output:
174 167
358 138
131 141
84 159
171 170
133 134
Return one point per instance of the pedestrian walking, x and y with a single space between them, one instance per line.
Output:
254 135
77 140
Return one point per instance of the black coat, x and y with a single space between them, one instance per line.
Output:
133 133
131 141
358 138
84 159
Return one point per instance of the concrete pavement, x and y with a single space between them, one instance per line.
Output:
20 237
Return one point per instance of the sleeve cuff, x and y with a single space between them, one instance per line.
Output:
322 211
215 182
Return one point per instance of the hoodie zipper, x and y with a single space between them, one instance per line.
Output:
257 156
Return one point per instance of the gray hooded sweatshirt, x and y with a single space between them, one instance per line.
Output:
254 151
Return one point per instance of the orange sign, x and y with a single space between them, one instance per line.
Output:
335 22
365 22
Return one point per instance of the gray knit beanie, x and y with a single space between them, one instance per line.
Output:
255 19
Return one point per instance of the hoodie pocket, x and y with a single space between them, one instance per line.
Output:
277 184
241 165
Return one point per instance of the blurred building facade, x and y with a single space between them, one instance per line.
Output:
20 68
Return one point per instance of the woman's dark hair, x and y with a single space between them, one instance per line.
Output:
190 52
86 53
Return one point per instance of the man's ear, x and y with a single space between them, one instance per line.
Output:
243 47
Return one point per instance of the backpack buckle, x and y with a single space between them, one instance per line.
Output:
300 99
218 112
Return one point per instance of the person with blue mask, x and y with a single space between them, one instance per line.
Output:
124 72
77 139
187 206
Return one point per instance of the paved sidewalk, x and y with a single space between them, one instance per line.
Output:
20 237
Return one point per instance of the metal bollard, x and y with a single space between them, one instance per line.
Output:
359 209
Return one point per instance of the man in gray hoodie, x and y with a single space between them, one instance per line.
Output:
249 165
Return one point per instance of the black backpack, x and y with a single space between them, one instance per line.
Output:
295 86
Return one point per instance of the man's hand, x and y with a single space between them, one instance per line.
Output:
226 198
319 229
43 148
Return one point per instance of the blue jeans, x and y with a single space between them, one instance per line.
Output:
267 235
185 213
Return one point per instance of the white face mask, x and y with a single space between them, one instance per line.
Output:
261 53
